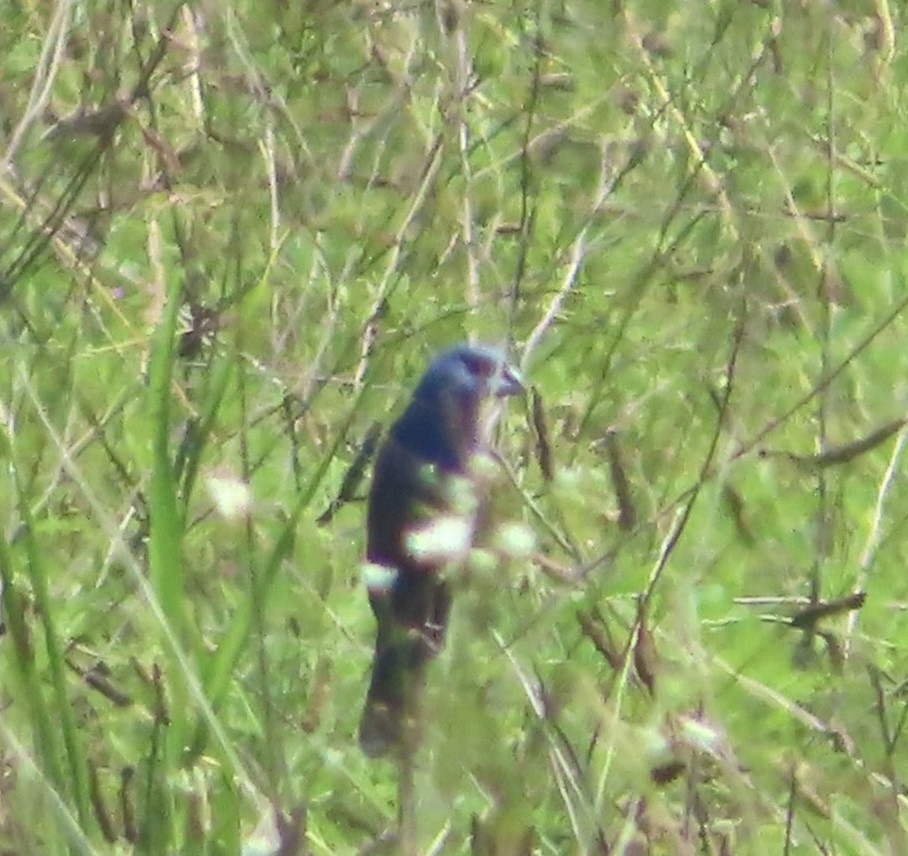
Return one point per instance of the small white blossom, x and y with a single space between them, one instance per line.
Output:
377 578
231 495
515 540
442 539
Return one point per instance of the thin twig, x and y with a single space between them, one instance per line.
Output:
577 258
406 801
873 537
45 73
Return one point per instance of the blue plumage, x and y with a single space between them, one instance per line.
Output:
432 441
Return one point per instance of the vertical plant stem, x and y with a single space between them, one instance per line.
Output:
406 800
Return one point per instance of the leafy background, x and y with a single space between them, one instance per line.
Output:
232 236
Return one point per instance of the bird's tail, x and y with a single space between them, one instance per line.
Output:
390 716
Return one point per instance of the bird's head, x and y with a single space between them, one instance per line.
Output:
477 371
443 420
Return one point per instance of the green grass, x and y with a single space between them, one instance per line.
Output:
687 220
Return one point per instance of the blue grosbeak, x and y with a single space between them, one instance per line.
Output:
417 487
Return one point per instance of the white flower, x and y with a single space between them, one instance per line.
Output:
376 577
444 538
231 495
515 540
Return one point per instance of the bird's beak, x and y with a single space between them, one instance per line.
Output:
507 382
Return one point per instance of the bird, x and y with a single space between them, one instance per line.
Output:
421 513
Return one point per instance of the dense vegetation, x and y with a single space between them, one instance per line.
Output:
233 234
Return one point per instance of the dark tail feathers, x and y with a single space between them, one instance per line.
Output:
390 715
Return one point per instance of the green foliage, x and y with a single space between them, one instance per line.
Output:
232 237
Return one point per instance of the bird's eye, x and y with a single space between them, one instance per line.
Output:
477 366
